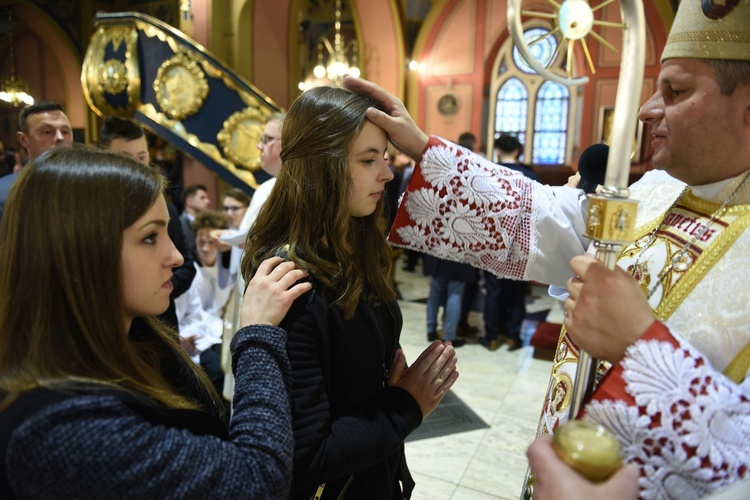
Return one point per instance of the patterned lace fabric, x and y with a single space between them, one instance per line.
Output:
686 426
467 210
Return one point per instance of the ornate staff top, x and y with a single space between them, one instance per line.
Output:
611 213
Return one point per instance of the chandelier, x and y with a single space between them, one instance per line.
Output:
14 90
339 54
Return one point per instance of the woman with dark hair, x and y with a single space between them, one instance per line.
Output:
355 401
96 397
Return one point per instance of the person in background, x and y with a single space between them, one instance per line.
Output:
19 160
214 290
96 397
448 281
200 310
195 200
8 160
269 145
471 289
505 299
41 126
354 399
270 163
392 189
234 203
125 136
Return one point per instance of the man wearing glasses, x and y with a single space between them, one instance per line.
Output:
270 159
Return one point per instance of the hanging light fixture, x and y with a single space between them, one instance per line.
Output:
338 54
14 90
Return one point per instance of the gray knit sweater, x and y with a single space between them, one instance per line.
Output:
96 446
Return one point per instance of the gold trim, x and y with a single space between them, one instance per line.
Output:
564 380
165 33
152 31
118 35
737 369
708 257
113 76
674 296
94 72
240 135
180 86
710 36
208 149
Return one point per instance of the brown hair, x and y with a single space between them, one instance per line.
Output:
212 219
239 195
60 283
308 206
730 73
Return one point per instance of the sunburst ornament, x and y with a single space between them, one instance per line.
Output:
572 22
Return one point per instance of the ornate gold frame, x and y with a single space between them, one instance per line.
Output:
236 148
100 77
180 86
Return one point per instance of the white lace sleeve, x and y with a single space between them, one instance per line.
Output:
684 424
460 206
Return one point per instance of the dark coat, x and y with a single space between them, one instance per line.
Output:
349 429
6 183
54 444
524 169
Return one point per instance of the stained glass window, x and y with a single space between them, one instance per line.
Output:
551 124
512 109
543 49
525 103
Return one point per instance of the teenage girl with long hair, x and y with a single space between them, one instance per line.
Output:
354 399
96 397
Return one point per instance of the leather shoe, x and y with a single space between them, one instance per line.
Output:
431 336
458 342
466 330
492 345
514 345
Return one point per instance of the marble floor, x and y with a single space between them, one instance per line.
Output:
504 388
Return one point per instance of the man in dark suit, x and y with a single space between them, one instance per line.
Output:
41 126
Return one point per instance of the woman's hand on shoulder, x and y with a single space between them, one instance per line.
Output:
429 378
272 291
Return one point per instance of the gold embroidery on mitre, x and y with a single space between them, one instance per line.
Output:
710 30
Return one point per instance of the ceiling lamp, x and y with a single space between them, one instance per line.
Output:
338 54
14 90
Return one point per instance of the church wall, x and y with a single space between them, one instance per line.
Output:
461 38
457 45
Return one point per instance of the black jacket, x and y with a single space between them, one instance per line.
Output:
349 428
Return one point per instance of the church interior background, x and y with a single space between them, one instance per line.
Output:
453 64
